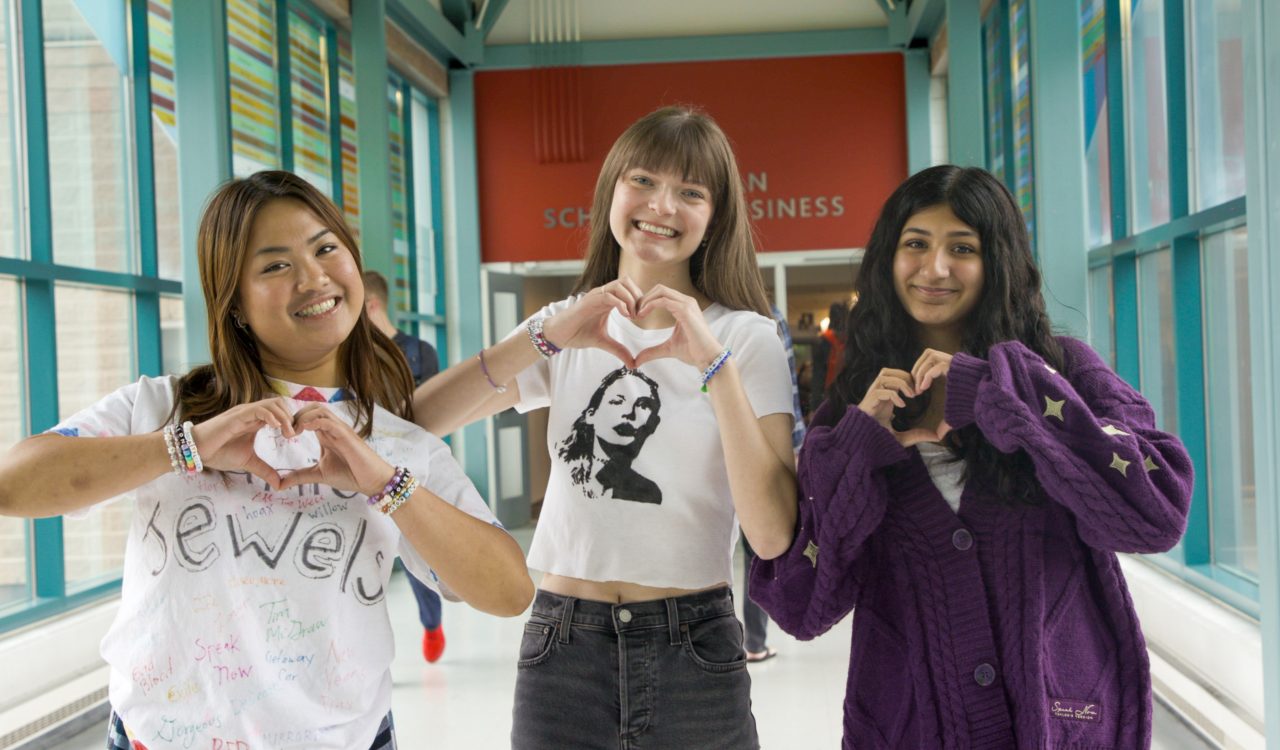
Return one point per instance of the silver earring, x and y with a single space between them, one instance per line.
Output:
239 321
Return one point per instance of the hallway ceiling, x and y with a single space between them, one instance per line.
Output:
629 19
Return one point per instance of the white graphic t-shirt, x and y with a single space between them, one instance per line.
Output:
638 489
257 619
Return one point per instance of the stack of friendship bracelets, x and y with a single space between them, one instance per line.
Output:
715 366
539 339
397 491
181 444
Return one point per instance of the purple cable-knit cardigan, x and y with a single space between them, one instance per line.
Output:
1006 625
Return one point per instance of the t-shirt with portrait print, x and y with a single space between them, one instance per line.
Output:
638 490
252 616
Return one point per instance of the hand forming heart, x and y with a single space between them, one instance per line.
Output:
891 386
312 446
585 324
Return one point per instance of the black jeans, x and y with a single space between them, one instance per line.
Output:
668 673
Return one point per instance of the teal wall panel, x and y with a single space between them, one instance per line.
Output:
966 126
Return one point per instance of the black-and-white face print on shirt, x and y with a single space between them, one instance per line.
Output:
608 436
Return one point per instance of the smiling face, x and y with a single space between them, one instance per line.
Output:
659 217
938 275
623 416
300 293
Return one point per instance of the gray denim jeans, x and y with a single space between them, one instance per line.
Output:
668 673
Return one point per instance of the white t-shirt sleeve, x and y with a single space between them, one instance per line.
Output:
762 366
444 479
535 380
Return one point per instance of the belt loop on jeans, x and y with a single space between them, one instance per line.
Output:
673 621
566 618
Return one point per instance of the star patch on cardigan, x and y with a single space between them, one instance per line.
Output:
811 552
1148 464
1053 408
1119 464
1114 431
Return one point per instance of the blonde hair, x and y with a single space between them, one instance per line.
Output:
689 143
375 371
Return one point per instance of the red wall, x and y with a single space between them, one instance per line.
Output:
830 129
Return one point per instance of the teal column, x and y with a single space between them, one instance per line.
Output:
204 141
42 350
919 144
369 44
965 128
1057 137
468 314
1262 165
146 305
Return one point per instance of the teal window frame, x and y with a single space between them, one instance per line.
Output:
37 274
1193 560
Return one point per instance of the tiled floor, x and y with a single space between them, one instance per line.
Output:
463 701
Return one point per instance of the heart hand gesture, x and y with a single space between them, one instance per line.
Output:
891 387
585 323
346 462
226 441
691 341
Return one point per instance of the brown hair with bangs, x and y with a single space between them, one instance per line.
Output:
375 371
687 142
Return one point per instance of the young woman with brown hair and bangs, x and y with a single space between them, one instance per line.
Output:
633 638
271 490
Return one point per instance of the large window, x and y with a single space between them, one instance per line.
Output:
1097 139
309 99
10 244
14 579
1148 121
429 298
1217 61
87 75
164 139
1233 501
251 58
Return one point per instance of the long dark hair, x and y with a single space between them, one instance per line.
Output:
689 143
578 449
881 334
374 370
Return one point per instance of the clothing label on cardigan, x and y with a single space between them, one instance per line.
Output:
1065 708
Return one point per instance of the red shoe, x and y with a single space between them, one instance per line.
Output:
433 644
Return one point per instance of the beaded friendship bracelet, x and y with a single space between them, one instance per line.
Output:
180 443
485 369
715 366
401 485
539 339
399 498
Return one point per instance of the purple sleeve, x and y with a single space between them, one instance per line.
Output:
843 496
1091 437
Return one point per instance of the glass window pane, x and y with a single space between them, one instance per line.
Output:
1024 173
1156 336
1148 122
1102 313
1097 143
96 355
251 59
993 41
309 88
347 110
423 216
90 151
401 292
1217 100
10 246
1232 498
173 336
164 138
14 568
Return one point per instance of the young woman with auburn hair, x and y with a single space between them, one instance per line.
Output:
633 638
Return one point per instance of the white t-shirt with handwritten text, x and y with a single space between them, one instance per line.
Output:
254 619
639 490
